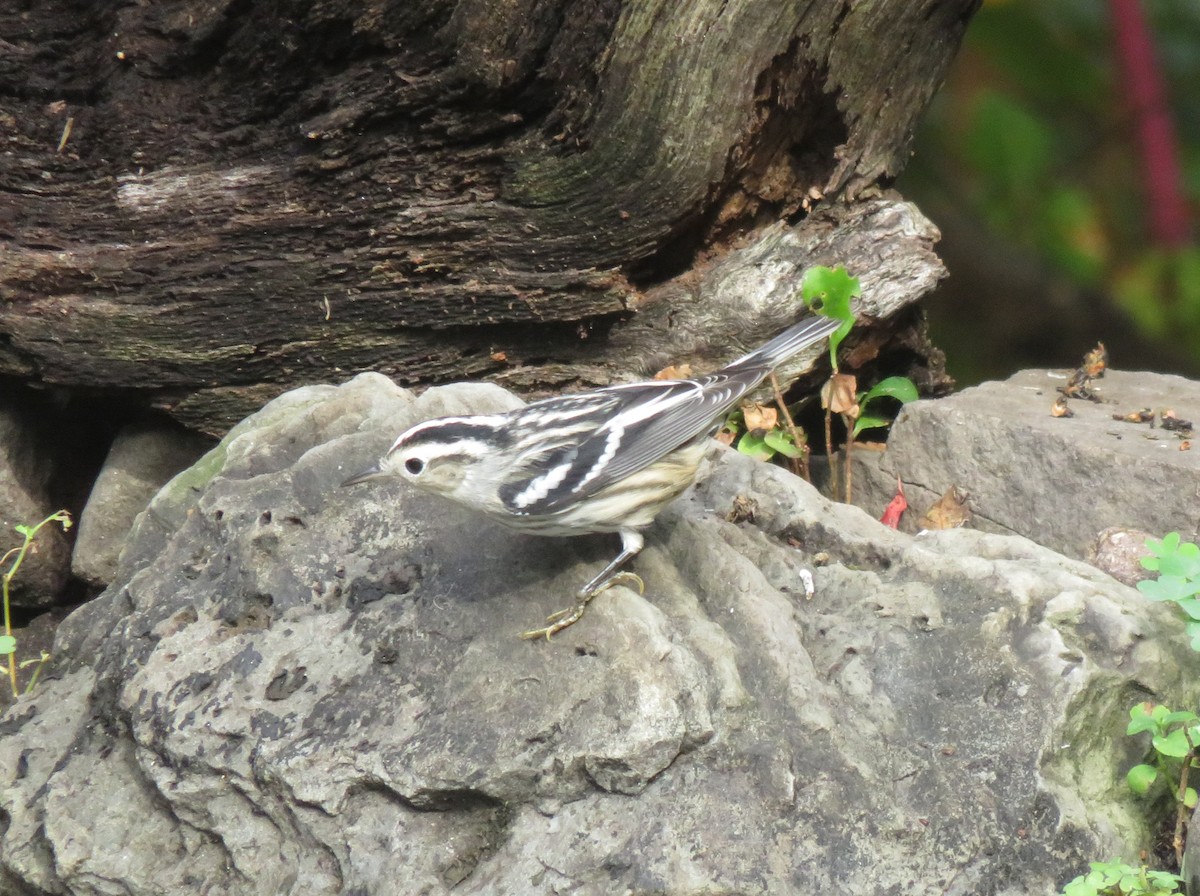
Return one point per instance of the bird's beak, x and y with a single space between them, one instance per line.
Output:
374 472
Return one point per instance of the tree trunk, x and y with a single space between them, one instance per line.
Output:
207 203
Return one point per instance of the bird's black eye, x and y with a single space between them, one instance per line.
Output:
414 465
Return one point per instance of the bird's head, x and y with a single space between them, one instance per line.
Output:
437 455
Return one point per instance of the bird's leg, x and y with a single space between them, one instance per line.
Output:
631 543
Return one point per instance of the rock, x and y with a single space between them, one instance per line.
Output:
1059 481
1119 553
26 467
143 457
293 687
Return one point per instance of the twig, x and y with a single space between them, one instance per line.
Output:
849 461
799 464
1181 809
833 465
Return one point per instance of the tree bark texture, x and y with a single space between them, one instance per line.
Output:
205 203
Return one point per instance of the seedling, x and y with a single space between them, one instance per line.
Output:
830 292
1174 737
14 558
1177 563
1119 879
900 388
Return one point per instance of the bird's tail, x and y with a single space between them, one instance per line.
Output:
789 342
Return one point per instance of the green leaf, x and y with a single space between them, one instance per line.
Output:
1080 887
869 421
900 388
1174 744
1168 587
781 442
1173 556
1193 631
1191 606
8 644
1107 873
1184 562
1142 719
1189 798
23 530
753 446
1181 716
1141 777
829 291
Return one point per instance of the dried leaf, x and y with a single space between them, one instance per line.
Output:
1095 361
1145 415
743 510
758 417
726 434
674 372
838 395
1173 422
949 511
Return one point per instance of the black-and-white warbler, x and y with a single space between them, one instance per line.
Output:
602 461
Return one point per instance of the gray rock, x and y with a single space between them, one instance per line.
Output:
25 469
143 457
1059 481
293 688
1119 553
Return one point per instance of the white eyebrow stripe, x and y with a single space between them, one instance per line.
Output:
438 422
468 447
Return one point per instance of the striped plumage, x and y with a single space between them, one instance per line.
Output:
602 461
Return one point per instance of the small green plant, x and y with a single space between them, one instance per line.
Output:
901 388
1174 737
14 558
1177 563
765 434
759 431
775 441
831 293
1119 879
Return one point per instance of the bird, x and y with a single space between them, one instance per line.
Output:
605 460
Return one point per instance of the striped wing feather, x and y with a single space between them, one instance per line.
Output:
645 423
580 445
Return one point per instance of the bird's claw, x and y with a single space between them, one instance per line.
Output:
626 578
568 617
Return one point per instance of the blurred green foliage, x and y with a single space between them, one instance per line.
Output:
1032 134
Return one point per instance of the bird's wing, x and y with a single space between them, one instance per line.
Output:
623 430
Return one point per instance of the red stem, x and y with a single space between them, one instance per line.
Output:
1152 123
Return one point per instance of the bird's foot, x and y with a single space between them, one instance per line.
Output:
565 618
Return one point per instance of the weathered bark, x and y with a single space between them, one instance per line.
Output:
256 195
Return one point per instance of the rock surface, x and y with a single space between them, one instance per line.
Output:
293 688
1059 481
142 458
